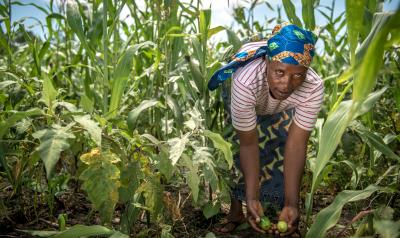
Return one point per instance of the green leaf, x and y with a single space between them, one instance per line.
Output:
291 12
6 83
308 13
53 142
134 114
233 39
376 142
222 145
215 30
365 79
86 103
119 235
131 175
49 92
164 163
91 126
153 193
196 74
101 180
332 131
9 122
387 228
193 181
211 209
178 116
354 17
121 74
177 146
40 233
85 231
330 215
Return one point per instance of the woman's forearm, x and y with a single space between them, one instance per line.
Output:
249 162
250 166
294 161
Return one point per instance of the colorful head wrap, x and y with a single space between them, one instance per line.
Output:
288 44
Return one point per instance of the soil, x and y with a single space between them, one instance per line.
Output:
23 213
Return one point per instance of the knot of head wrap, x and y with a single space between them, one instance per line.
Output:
288 44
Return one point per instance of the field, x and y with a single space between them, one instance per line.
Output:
108 129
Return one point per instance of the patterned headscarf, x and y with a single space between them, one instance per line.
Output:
288 44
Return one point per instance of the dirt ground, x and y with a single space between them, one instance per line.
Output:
20 213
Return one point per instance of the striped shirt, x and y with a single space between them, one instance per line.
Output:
250 96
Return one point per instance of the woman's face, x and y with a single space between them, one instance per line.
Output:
283 78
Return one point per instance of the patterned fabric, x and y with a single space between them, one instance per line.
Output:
289 44
273 132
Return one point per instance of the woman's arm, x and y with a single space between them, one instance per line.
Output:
293 165
250 166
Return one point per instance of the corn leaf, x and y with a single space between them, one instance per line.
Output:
366 78
329 216
84 231
354 16
291 12
120 80
178 116
376 142
308 13
134 114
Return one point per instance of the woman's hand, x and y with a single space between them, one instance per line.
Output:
254 213
290 215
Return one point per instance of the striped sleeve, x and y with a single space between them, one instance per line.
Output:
306 113
243 104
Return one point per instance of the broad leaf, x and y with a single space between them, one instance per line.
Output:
193 181
211 209
49 92
177 146
9 122
387 228
91 126
101 180
52 142
222 145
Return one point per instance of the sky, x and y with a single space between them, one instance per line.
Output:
221 12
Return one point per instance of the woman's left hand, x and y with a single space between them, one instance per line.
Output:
290 215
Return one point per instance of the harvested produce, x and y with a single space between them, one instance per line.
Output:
282 226
265 223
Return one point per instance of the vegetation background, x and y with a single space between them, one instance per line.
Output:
108 129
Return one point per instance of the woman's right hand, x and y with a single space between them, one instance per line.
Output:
254 213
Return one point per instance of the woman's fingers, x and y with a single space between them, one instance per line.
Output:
254 224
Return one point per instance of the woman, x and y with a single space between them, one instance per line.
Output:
272 86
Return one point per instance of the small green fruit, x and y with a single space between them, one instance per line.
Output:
282 226
265 223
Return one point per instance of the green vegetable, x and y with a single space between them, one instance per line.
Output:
282 226
265 223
